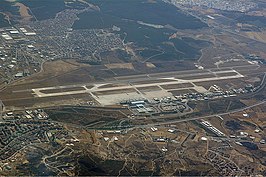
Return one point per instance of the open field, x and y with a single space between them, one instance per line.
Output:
23 10
182 91
150 81
63 90
25 102
223 84
177 86
114 91
260 36
225 74
150 88
120 65
199 76
110 85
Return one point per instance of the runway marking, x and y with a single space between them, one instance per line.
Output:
95 88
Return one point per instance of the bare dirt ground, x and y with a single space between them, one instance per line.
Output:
50 70
120 65
150 65
24 12
260 36
258 13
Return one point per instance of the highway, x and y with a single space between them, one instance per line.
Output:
197 118
180 120
261 88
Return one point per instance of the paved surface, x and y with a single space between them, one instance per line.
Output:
16 97
130 90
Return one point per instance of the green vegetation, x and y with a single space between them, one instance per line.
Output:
151 34
44 9
154 13
3 21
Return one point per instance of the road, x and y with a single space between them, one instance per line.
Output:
197 118
261 88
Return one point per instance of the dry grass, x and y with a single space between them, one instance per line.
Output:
23 10
51 69
120 66
259 36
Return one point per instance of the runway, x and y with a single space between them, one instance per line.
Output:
117 89
108 94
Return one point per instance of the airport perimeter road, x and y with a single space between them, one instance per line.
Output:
261 88
179 120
